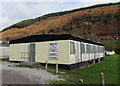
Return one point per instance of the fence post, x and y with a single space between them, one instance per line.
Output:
46 65
56 67
102 81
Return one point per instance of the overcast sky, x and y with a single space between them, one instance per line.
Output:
13 11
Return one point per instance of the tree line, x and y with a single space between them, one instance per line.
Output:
28 22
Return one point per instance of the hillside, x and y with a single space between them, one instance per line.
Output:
96 23
28 22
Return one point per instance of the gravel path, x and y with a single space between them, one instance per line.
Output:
15 75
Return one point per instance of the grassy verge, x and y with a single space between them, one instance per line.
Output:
91 74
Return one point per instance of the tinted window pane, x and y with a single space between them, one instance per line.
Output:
72 48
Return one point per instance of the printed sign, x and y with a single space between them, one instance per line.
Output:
53 51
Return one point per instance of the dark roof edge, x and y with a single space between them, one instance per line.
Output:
52 37
85 40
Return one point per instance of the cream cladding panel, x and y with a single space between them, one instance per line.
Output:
42 51
18 52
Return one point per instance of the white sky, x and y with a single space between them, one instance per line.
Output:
13 11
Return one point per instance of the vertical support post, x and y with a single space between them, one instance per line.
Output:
94 58
21 56
30 59
87 63
93 61
102 81
24 55
56 67
46 65
98 60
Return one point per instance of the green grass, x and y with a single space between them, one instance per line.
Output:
91 74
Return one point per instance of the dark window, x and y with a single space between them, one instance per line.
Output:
102 49
99 49
88 48
94 49
72 48
82 48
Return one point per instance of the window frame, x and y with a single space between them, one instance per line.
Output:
82 45
72 48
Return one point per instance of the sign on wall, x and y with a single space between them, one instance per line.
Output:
53 51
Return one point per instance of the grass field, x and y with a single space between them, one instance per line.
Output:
91 74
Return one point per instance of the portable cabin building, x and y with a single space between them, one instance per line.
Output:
4 51
66 50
